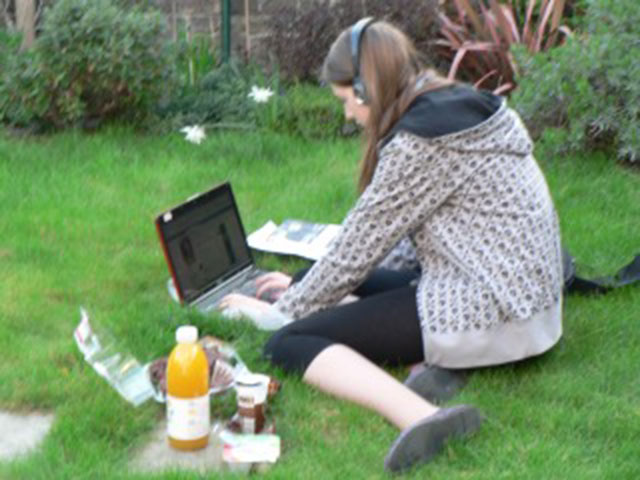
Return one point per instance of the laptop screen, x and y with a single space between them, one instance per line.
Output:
204 242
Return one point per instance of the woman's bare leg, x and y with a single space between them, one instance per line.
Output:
345 373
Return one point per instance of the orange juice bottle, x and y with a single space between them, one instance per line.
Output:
188 424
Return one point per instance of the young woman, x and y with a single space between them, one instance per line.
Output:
454 207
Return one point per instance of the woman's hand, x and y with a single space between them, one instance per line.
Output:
263 315
278 282
241 303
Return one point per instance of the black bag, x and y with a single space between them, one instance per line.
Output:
575 284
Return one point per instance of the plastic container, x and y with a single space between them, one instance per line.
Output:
188 423
112 362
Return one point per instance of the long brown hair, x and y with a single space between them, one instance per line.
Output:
391 69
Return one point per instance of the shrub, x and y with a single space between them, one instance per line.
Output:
9 43
589 86
23 91
300 37
221 100
195 56
92 61
219 96
307 111
478 37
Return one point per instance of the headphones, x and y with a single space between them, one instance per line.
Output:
357 30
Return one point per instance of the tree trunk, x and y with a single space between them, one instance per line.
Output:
26 21
6 18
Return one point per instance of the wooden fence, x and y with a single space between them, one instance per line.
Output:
249 22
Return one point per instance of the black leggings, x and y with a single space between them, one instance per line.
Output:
382 326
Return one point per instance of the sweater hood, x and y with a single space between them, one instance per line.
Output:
460 116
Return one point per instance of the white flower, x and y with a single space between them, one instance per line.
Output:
194 134
260 95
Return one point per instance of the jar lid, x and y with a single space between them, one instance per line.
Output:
248 379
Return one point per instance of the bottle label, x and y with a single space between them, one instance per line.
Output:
246 401
247 424
188 418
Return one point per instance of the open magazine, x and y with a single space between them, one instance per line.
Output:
294 237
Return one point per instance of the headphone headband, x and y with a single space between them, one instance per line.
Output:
357 30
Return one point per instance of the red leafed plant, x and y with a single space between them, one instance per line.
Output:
478 39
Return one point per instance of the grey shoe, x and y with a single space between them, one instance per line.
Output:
435 384
422 441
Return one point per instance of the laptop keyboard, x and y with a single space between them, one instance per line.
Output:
248 288
245 285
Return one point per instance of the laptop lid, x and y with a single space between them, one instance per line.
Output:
204 242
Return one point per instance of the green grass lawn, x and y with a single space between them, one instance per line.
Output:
77 229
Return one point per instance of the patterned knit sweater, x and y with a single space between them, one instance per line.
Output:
473 210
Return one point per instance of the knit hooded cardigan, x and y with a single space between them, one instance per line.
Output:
473 211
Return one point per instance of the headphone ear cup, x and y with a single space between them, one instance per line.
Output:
359 92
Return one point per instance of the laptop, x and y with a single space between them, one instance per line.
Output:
206 249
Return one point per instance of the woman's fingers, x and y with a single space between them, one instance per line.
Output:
231 300
271 285
272 281
238 301
276 294
263 315
271 276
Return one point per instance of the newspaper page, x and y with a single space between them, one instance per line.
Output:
294 237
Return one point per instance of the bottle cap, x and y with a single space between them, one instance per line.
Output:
187 334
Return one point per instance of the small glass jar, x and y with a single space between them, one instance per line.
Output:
251 396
